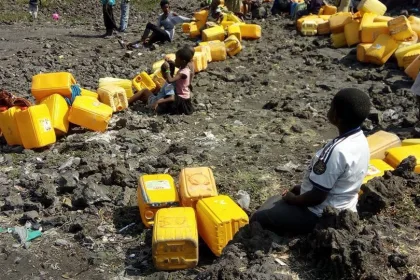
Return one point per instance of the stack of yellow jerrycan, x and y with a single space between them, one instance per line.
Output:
351 32
204 49
113 96
381 50
235 30
250 31
178 220
213 33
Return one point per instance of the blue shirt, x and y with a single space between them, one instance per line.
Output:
110 2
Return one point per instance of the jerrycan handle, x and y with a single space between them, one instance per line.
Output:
72 80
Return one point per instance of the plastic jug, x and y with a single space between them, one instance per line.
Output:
367 19
323 28
372 6
59 112
8 125
361 51
201 16
196 183
351 32
213 33
382 19
35 127
90 113
371 31
377 168
226 24
250 31
409 57
85 92
413 69
235 30
309 28
233 46
399 53
198 62
300 21
127 85
143 81
415 24
217 49
339 20
43 85
381 141
400 28
338 40
195 30
219 218
186 27
381 50
175 239
329 10
113 96
153 193
395 156
206 50
410 142
408 42
156 66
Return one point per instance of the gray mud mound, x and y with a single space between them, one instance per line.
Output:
344 247
250 255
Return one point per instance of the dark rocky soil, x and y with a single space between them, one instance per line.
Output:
260 117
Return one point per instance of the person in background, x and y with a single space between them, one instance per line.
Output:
234 6
215 12
182 103
125 13
416 91
313 8
33 8
250 5
280 6
334 176
109 21
167 20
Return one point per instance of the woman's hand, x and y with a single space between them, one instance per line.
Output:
165 66
154 106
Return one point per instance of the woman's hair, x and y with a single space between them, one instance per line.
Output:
164 2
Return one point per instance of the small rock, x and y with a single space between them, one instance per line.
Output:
67 202
128 54
30 215
46 194
47 46
62 243
297 128
13 202
387 89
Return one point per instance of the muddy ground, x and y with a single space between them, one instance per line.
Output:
260 117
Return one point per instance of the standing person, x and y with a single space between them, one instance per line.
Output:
33 8
125 13
334 176
109 21
313 8
167 20
234 6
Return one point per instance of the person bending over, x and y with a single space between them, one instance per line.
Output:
334 176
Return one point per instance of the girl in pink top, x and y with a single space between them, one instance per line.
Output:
182 103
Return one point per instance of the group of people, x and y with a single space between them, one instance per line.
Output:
108 13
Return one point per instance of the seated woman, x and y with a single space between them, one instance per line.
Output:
167 20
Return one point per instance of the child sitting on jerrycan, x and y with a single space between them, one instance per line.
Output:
334 176
178 101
